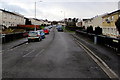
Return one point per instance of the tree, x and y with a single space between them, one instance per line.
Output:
28 22
90 29
117 23
98 30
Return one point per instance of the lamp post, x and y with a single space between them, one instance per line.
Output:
35 14
64 18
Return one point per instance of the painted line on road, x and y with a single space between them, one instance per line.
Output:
28 53
98 60
39 53
0 52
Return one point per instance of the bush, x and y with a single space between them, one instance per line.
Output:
117 23
98 30
90 29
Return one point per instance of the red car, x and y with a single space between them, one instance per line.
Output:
46 31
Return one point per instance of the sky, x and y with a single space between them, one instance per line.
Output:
60 9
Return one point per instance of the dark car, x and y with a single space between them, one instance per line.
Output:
42 33
60 29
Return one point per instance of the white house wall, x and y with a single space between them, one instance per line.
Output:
97 21
0 17
9 19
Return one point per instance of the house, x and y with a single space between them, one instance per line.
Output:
8 18
35 21
79 24
87 22
97 21
108 23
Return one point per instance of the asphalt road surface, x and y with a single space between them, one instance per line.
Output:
57 56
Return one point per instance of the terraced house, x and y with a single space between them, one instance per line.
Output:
108 23
8 18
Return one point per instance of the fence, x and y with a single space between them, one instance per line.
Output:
113 43
13 36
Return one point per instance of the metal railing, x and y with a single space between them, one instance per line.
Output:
112 43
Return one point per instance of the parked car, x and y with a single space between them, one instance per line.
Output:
58 26
34 35
42 33
46 31
60 29
47 28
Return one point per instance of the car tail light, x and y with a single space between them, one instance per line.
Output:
38 35
28 35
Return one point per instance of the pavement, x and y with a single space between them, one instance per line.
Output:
57 56
13 44
110 57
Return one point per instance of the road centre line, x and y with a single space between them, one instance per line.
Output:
98 60
39 53
28 53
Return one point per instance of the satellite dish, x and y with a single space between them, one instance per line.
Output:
108 21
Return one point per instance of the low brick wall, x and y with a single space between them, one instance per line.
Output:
13 36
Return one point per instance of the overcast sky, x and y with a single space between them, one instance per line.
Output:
58 9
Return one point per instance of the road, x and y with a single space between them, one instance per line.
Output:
57 56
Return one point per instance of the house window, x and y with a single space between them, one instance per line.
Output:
109 18
112 18
119 15
5 15
103 20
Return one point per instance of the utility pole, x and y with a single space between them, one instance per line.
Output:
35 16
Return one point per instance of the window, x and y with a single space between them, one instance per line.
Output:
109 18
119 15
5 15
112 18
10 16
103 20
15 17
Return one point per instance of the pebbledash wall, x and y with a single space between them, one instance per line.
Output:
8 18
0 18
38 21
108 23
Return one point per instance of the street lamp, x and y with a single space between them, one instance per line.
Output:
35 14
64 17
63 13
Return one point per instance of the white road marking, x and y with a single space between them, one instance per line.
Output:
0 52
39 53
28 53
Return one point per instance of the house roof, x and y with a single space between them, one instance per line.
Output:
118 11
14 13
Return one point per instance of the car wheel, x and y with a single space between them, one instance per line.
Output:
38 39
29 40
44 37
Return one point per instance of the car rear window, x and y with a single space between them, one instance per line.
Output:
33 33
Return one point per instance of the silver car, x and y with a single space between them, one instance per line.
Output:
34 35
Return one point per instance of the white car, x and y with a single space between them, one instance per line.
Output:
34 35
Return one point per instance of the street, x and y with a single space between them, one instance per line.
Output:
57 56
